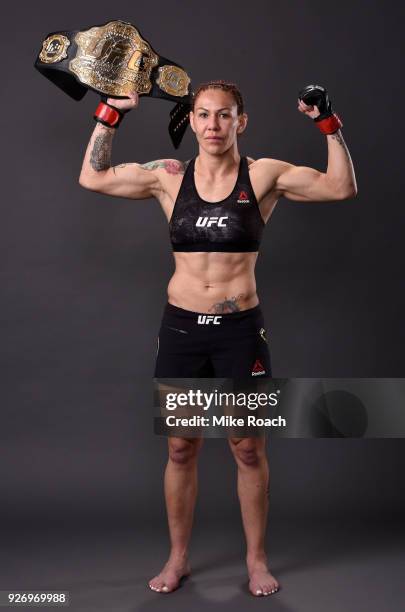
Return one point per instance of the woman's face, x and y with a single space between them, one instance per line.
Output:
215 120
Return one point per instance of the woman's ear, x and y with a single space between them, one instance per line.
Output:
243 119
191 117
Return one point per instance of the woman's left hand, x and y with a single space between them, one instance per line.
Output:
310 111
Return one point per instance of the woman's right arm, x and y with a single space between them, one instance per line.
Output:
126 180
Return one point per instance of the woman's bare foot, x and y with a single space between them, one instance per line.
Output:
169 578
261 581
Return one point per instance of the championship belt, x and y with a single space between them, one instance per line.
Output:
114 60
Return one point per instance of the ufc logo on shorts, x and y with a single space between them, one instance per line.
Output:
207 319
208 221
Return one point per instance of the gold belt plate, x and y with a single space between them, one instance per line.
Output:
114 59
173 80
54 49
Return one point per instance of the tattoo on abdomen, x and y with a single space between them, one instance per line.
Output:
228 305
100 156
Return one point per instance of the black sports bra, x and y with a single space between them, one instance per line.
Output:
231 225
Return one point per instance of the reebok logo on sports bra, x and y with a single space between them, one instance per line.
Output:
233 225
243 198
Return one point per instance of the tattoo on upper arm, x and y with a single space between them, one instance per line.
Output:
123 166
100 155
171 166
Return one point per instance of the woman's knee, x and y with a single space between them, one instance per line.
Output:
184 450
248 451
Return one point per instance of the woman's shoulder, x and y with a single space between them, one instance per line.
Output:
265 162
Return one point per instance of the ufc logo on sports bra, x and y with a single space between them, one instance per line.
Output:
208 221
207 319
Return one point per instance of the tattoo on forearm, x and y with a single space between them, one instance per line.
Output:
100 155
228 305
339 138
172 166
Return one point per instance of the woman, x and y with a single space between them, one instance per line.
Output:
216 205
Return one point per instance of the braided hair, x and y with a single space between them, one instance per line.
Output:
224 86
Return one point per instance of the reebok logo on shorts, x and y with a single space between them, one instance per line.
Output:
207 319
258 368
243 198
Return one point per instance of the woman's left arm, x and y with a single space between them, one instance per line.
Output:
308 184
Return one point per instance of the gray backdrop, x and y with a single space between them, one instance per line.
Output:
83 276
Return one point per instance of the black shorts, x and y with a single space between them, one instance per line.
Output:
193 344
